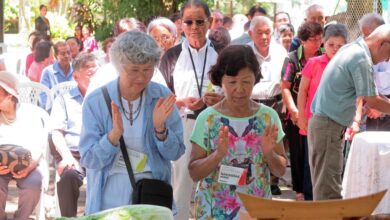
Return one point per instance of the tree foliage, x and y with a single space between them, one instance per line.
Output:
109 11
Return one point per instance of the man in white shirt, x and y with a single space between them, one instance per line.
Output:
270 56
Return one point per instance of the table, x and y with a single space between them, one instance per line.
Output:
367 168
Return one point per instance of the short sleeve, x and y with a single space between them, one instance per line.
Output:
276 120
307 71
288 70
198 134
363 79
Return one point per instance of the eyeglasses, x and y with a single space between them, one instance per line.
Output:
197 22
64 53
162 38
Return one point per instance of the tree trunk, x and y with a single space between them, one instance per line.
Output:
24 21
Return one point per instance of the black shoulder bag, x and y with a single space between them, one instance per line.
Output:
145 191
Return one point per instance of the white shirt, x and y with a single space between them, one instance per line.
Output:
183 75
271 70
26 131
382 77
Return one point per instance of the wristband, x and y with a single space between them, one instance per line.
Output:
357 121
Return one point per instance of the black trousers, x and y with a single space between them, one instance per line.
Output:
68 187
68 190
379 124
297 157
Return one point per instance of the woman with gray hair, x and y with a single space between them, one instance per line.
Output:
163 31
143 112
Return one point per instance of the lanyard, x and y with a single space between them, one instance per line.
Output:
196 75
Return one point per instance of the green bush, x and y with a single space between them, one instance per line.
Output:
11 17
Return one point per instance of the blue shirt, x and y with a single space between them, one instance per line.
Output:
348 74
98 154
66 117
53 75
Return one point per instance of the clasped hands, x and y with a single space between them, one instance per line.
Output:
267 144
20 174
193 103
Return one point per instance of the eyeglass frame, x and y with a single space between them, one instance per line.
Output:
198 22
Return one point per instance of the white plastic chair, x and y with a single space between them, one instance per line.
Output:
44 163
40 209
29 92
62 88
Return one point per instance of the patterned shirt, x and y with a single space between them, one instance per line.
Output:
215 200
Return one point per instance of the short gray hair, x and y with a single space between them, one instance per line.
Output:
371 21
165 22
336 30
260 20
82 59
134 47
313 7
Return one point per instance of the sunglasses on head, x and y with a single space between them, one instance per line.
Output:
197 22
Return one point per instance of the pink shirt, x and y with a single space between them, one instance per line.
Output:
313 71
35 71
29 60
90 44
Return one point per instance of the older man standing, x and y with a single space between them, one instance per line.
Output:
270 56
348 75
314 13
66 127
185 69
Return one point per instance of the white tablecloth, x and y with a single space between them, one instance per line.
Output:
368 168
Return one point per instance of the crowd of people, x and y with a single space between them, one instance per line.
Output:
196 103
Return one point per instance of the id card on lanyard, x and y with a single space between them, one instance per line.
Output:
199 85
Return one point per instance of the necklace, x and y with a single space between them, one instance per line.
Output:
6 120
131 114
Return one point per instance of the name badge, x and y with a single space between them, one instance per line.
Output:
232 175
138 162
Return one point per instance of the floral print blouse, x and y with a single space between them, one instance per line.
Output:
215 200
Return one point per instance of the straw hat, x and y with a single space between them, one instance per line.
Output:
9 83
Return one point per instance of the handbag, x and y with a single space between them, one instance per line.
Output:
145 191
15 157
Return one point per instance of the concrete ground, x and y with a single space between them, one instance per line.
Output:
284 183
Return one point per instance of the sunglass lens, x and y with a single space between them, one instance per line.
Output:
188 22
199 22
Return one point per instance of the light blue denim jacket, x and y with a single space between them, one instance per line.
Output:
97 153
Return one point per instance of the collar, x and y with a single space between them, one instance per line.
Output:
186 45
257 52
362 43
57 68
300 52
75 92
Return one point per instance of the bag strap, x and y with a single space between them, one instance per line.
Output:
121 141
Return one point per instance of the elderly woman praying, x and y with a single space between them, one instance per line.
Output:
143 112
